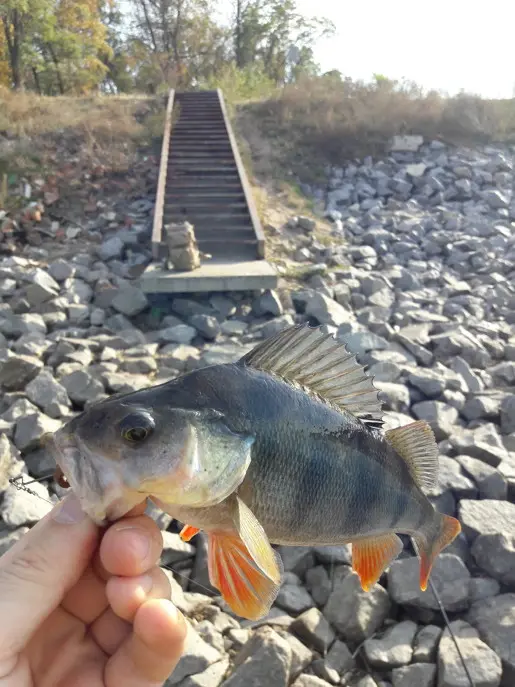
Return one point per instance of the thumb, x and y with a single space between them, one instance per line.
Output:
39 569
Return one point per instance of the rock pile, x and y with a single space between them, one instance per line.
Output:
418 280
183 252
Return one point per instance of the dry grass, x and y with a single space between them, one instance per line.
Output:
105 117
323 120
100 129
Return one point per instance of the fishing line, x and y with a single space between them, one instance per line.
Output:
22 486
445 617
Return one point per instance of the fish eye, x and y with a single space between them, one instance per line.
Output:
136 427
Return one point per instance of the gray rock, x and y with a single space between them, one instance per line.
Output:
480 408
265 659
196 657
450 476
356 614
268 304
472 380
111 248
82 387
486 517
294 599
297 559
507 412
394 648
416 675
233 327
318 584
130 301
483 443
429 382
47 394
334 555
306 680
180 333
495 554
336 664
440 416
426 644
18 370
42 287
19 508
483 588
314 630
61 270
325 310
206 325
301 656
496 199
211 677
362 342
10 466
490 482
31 428
449 575
494 618
483 664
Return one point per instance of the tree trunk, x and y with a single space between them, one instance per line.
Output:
36 80
14 41
60 82
149 24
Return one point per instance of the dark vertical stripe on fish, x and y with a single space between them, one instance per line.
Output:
312 485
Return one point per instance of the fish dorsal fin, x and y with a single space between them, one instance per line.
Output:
321 365
416 444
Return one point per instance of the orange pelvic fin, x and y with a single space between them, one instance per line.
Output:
188 532
248 590
371 556
428 549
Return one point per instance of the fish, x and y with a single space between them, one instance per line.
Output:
285 446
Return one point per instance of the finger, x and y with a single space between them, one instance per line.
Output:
127 594
152 651
130 547
40 568
86 600
110 631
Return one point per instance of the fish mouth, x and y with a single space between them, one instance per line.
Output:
102 493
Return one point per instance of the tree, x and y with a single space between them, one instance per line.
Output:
19 20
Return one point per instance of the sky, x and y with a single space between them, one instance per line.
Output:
447 45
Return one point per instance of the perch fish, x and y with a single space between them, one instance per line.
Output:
284 446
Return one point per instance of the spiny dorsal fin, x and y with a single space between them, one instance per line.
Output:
316 361
416 444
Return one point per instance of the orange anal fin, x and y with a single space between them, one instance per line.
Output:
372 555
449 530
188 532
249 592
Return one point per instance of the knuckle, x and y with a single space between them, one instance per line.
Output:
29 566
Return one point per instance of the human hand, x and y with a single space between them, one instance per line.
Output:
79 608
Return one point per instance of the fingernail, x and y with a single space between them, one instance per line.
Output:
139 540
69 511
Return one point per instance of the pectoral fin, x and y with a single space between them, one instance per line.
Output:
243 565
188 532
247 589
372 555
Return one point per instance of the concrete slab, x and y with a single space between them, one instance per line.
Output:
214 275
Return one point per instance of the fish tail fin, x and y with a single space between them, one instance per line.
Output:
429 543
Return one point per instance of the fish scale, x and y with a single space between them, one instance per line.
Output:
284 446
